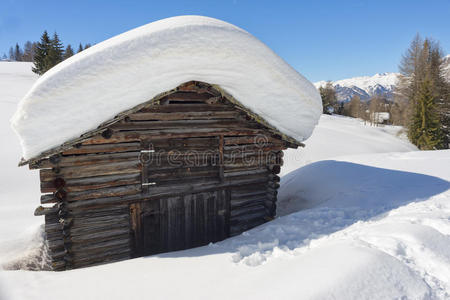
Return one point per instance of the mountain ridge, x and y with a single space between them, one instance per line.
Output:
380 84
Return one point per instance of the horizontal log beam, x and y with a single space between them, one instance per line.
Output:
105 192
239 213
126 167
87 159
104 148
92 183
133 136
180 124
196 115
42 211
193 107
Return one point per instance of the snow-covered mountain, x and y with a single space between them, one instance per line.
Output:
365 87
382 84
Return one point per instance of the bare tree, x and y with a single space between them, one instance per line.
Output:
355 107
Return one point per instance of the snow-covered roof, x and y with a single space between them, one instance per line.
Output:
93 86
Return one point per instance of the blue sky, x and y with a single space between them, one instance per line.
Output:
321 39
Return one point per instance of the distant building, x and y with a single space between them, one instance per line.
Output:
381 117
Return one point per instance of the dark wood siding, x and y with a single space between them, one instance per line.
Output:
186 171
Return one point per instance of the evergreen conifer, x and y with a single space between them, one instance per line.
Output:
41 62
68 52
424 130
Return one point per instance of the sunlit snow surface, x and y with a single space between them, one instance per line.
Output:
115 75
374 225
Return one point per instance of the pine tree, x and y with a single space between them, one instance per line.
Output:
425 130
442 91
87 46
18 53
41 61
423 62
68 52
80 48
55 54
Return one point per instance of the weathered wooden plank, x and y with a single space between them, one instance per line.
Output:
97 223
200 222
49 198
175 223
56 244
87 159
189 219
125 167
131 189
42 211
247 215
151 219
101 236
188 173
262 139
90 259
58 264
188 96
190 115
221 158
231 173
249 201
104 148
57 255
192 124
238 212
92 247
244 194
187 107
53 227
198 87
170 133
92 183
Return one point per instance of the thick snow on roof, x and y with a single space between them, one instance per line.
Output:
95 85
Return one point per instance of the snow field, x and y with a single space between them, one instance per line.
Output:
374 224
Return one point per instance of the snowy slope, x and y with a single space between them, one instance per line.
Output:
19 187
365 86
376 227
337 136
95 85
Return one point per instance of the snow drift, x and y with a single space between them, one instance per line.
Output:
95 85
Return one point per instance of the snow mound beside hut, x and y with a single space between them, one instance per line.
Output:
93 86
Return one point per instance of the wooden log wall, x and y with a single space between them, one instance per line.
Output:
93 185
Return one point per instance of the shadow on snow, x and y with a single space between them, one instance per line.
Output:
320 199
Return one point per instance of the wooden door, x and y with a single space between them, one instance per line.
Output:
183 217
181 222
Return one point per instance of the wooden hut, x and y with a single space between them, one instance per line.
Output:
189 167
